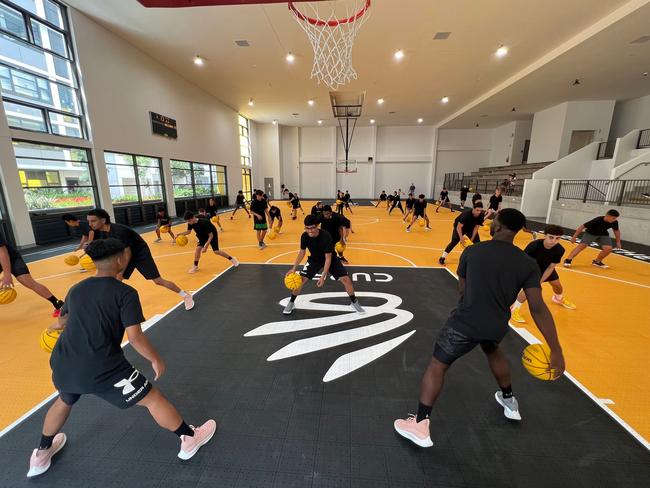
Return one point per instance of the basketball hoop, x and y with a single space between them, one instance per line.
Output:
332 39
346 166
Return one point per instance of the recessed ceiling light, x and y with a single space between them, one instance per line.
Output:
645 73
399 54
380 101
445 99
290 57
372 121
275 122
198 60
501 52
311 102
420 121
251 102
320 122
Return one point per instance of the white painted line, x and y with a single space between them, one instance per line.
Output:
562 268
606 401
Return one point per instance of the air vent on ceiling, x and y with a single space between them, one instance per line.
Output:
441 36
243 43
640 40
392 113
296 114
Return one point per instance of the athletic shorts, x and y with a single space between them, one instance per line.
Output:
552 277
418 213
463 196
18 267
145 264
337 270
445 200
295 206
164 223
260 226
240 205
588 238
214 243
124 394
451 345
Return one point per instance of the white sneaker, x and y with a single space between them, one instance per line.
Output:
193 269
427 228
189 302
356 306
510 406
158 240
234 262
289 308
408 229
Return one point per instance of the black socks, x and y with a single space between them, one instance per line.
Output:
46 441
184 429
423 412
353 298
507 391
196 263
293 298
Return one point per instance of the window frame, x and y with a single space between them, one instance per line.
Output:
137 184
193 183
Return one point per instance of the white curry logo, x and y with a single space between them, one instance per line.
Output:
354 360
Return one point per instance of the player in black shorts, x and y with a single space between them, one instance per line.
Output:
396 202
596 230
338 227
409 202
466 224
548 253
275 214
11 263
207 236
444 200
490 275
382 198
321 256
261 217
346 198
240 202
87 234
419 212
139 254
88 358
295 205
495 204
164 220
464 190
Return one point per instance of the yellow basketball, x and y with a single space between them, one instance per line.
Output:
339 247
288 204
536 358
273 234
339 202
71 260
215 219
48 339
422 222
293 281
467 243
7 295
181 241
87 263
164 229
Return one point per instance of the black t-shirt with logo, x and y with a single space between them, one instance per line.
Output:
128 236
88 358
203 228
259 207
13 253
543 256
494 272
316 210
318 246
495 201
409 202
420 206
333 226
599 227
444 195
469 221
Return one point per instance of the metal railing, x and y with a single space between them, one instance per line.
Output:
486 186
644 139
613 192
606 150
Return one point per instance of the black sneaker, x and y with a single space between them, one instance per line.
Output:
599 264
441 261
567 263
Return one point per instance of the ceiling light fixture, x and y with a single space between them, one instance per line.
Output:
380 101
251 102
501 52
399 54
290 57
320 122
311 102
445 99
372 121
275 122
198 60
420 121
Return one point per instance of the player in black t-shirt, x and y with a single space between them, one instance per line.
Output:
495 204
295 205
240 202
338 227
202 213
466 224
321 256
547 253
88 358
382 198
164 220
444 200
464 190
317 209
396 202
490 275
137 250
597 230
207 235
275 214
212 209
261 217
87 234
12 263
409 202
346 198
419 212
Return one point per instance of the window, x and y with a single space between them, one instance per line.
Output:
245 154
134 179
38 81
54 177
194 180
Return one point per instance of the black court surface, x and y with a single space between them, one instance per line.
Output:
282 425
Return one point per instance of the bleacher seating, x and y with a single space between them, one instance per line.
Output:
489 177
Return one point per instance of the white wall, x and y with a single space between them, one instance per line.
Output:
317 180
523 131
629 115
410 143
502 141
546 134
461 150
589 115
290 157
360 184
393 176
266 156
535 198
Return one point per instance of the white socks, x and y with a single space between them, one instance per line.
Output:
182 294
444 255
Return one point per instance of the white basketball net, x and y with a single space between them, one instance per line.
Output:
332 39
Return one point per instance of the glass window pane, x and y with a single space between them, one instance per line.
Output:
243 121
203 190
201 174
181 176
22 117
243 141
49 38
120 175
25 56
12 21
121 195
180 164
53 198
117 158
147 161
149 176
65 125
151 193
183 191
52 11
41 151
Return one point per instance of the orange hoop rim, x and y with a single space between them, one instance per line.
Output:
330 23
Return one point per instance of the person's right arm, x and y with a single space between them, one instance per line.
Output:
544 322
299 258
578 231
143 346
81 244
459 230
5 262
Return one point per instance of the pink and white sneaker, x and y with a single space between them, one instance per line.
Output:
416 432
234 262
202 435
193 269
189 302
41 459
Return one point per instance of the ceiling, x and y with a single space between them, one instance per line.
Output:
463 67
